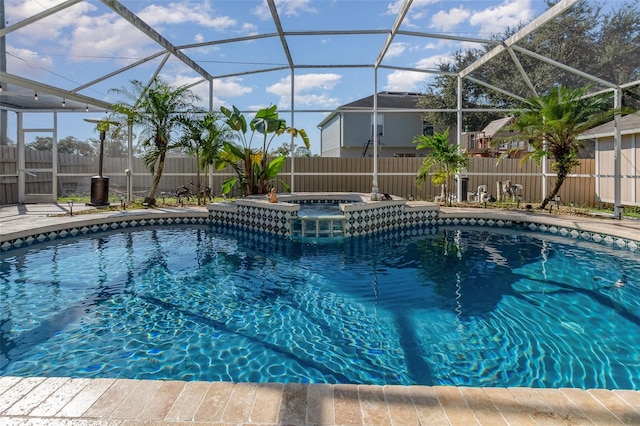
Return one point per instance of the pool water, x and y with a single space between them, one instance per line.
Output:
319 209
470 307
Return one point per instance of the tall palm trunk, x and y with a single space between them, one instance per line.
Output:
198 180
562 174
151 198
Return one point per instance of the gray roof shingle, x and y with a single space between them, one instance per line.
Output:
628 124
402 100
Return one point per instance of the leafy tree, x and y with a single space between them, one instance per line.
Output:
41 143
442 93
256 170
203 136
284 149
159 110
446 158
303 151
67 145
552 123
71 145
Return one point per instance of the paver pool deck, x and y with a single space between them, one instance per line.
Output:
68 401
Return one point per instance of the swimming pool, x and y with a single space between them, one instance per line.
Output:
471 307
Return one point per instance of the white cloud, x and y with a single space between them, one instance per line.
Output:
295 7
408 81
186 12
17 10
508 14
447 21
222 88
285 8
27 62
405 81
396 49
230 87
49 28
108 36
317 101
310 89
432 62
394 7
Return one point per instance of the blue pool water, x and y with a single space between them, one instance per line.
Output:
466 307
319 209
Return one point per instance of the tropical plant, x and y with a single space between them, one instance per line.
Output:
552 123
158 108
252 166
445 157
202 137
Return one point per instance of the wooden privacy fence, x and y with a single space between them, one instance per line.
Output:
395 176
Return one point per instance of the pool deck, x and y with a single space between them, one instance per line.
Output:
65 401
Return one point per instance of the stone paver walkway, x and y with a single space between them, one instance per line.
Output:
64 401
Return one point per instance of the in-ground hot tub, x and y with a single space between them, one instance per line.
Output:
354 214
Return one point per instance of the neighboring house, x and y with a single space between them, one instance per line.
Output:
348 131
603 136
494 140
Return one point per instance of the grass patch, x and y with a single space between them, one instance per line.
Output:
136 204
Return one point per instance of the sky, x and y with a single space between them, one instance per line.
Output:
88 40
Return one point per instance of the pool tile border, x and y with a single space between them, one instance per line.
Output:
367 222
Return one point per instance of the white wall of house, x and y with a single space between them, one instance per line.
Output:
331 137
630 162
353 130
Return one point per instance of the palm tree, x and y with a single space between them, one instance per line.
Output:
203 137
158 109
552 124
447 159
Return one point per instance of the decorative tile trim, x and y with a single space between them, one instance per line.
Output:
559 230
361 218
75 229
255 224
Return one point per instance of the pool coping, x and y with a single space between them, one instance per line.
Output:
625 233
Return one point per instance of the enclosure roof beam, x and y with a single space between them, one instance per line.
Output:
447 37
202 80
227 40
548 15
335 66
492 87
278 24
159 67
44 88
335 32
391 67
236 74
135 20
284 67
38 16
630 84
565 67
116 72
394 29
523 73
